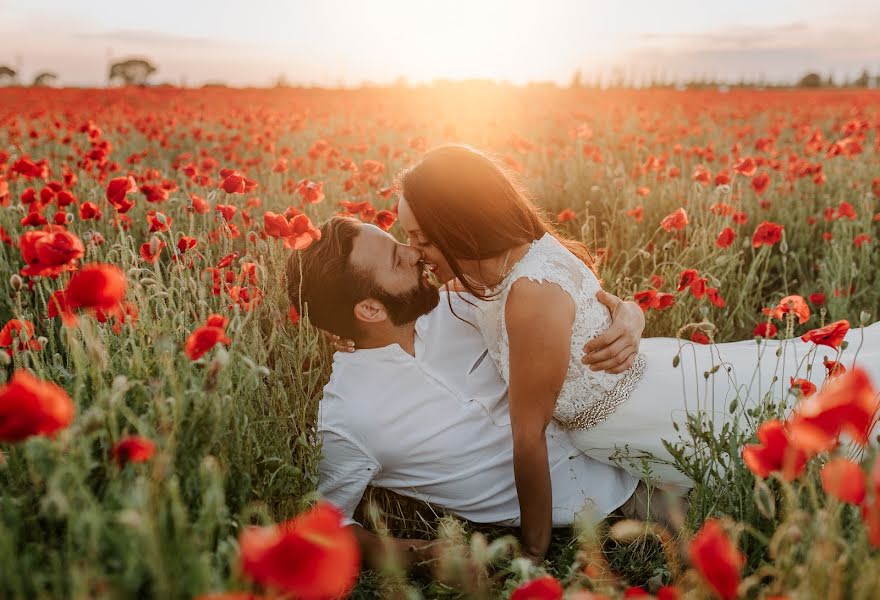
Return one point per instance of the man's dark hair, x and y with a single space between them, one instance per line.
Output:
322 278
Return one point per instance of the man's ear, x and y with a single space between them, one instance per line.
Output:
370 311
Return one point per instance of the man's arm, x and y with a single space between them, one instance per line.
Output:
345 471
383 551
615 349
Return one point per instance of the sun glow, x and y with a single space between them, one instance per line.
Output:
512 41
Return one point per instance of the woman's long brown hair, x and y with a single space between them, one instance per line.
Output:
472 208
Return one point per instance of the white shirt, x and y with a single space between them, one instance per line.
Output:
436 427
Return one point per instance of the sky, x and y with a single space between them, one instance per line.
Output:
348 42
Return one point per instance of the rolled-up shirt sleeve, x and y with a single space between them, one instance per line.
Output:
345 471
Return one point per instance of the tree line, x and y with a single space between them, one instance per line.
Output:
137 71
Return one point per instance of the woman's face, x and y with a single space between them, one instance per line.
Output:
416 238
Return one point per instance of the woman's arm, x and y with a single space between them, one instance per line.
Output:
539 318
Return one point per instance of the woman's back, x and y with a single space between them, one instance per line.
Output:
585 393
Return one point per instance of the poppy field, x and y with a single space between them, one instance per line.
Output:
158 394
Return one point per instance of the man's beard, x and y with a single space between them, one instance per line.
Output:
410 305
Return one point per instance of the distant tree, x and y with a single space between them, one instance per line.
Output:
131 71
810 80
863 80
44 78
281 81
829 81
8 75
576 82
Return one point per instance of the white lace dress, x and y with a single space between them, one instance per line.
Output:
623 419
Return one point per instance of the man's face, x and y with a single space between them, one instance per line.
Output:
398 272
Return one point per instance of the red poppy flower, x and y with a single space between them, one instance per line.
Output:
745 166
312 557
199 205
804 387
844 480
833 368
725 238
699 337
636 213
717 559
760 183
765 329
845 209
134 448
686 278
385 219
702 175
566 215
715 297
11 334
186 243
297 232
774 452
668 592
818 299
96 285
64 198
236 183
215 320
88 210
636 592
154 193
151 250
847 404
831 335
542 588
206 337
227 210
311 192
862 238
26 167
792 304
664 300
29 406
34 219
767 234
50 251
676 220
294 316
159 222
646 299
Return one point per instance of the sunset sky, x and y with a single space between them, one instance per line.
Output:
337 42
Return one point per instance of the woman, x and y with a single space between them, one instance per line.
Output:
538 308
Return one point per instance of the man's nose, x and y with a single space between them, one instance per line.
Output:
413 254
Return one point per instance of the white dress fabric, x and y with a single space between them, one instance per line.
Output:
705 378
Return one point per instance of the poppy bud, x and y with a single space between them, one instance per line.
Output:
15 282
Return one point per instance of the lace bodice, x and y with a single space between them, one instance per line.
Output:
547 260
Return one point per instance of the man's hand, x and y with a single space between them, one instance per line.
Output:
615 350
338 343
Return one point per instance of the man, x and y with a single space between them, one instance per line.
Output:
419 408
